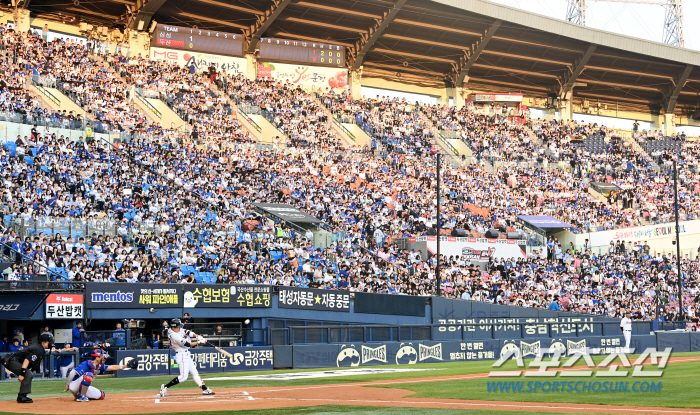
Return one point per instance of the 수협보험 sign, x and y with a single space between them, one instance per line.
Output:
228 296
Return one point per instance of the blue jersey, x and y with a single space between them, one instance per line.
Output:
89 366
65 360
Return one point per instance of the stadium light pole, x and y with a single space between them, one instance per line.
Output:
678 242
437 263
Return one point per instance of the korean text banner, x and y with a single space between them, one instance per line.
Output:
118 295
202 61
317 76
150 362
209 360
64 306
228 296
310 299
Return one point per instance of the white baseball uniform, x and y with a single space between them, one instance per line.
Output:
66 369
180 343
626 325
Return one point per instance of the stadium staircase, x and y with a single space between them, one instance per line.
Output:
443 145
152 113
65 102
335 126
42 93
639 149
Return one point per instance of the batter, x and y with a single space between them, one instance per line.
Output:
180 342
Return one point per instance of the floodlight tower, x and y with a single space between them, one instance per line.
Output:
673 20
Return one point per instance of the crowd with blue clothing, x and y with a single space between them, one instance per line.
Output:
395 122
183 212
189 92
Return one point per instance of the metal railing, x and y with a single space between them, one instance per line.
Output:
448 145
270 117
148 105
248 119
66 226
50 365
17 257
40 87
41 286
344 129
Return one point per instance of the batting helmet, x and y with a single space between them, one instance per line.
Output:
176 323
46 337
97 352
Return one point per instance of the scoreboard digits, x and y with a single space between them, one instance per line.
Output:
271 49
197 40
301 51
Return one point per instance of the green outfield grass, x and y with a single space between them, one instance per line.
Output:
678 386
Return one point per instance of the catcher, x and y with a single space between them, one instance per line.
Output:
80 379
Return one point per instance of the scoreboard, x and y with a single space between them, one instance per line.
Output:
197 40
301 51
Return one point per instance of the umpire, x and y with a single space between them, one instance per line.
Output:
22 362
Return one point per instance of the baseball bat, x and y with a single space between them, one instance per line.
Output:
223 352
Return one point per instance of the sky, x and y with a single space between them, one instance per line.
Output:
637 20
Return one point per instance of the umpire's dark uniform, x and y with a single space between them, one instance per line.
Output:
33 354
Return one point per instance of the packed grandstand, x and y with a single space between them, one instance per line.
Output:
181 205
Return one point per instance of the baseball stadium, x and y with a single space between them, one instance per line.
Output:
304 206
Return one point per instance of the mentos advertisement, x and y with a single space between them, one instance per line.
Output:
201 61
315 76
120 295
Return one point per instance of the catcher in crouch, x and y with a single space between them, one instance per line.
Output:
181 341
80 379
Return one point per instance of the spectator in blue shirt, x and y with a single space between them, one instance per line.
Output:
555 305
120 336
155 341
3 343
77 334
14 346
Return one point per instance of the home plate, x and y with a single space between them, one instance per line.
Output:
320 374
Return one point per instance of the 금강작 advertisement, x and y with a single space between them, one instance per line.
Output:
206 359
310 299
64 306
318 76
228 296
118 295
202 61
150 362
209 360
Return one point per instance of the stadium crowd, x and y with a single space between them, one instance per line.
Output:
183 211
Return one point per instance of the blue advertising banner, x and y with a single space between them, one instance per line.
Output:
207 360
694 342
19 307
150 362
248 358
679 342
319 355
